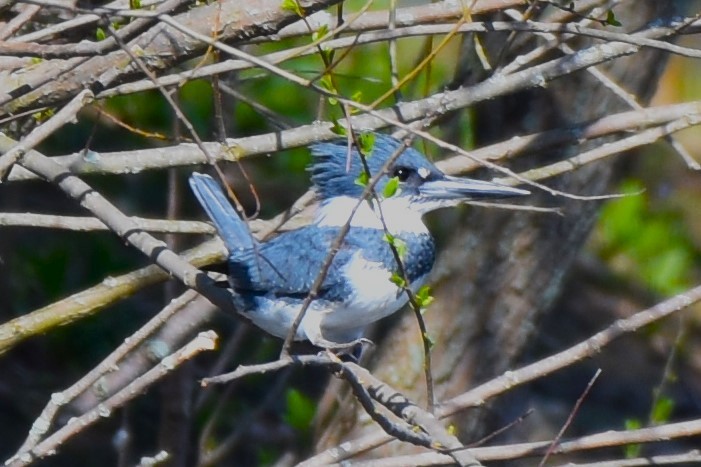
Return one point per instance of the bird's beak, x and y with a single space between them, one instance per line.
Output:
455 189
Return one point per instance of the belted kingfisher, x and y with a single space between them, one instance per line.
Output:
271 280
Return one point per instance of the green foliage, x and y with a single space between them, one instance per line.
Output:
320 33
326 54
651 245
338 128
43 115
366 141
398 280
662 410
44 270
148 112
659 415
100 34
611 19
391 187
300 410
278 95
423 297
632 450
196 100
293 6
363 179
357 96
397 243
401 247
326 83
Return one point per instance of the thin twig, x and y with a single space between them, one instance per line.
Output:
501 430
625 144
44 421
203 341
510 379
366 389
570 418
88 224
187 154
46 129
123 226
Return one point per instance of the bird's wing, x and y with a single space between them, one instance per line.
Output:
289 264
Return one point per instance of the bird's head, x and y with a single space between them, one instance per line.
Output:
421 187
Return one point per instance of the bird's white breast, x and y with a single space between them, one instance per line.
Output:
396 212
373 295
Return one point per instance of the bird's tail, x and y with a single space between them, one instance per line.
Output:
231 228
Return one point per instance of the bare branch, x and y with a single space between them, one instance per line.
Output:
204 341
53 81
122 225
89 301
238 148
87 224
479 395
63 116
44 422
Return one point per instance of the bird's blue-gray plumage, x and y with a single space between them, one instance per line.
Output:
231 228
331 178
271 280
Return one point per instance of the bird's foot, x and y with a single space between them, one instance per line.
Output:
340 346
347 351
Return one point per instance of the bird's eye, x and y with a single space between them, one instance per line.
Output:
402 173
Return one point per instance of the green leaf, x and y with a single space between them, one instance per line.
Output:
366 140
293 6
300 410
401 247
632 450
100 34
647 243
327 54
633 424
320 33
611 19
326 82
391 187
397 243
662 410
362 179
424 297
44 115
338 129
134 4
357 96
398 280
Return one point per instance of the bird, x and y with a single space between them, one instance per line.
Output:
270 280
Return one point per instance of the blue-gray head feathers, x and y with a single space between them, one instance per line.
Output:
335 172
331 161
